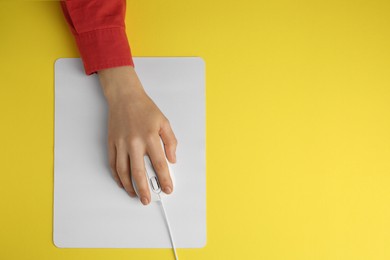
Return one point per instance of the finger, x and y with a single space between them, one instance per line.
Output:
157 157
138 173
169 140
112 163
123 169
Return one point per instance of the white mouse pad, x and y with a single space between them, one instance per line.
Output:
90 210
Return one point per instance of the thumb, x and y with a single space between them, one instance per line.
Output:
169 140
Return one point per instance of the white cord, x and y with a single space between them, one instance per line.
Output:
169 228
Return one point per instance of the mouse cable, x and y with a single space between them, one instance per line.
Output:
169 228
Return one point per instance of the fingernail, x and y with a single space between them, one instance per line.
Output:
168 190
144 200
132 194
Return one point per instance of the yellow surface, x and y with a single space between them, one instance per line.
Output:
298 124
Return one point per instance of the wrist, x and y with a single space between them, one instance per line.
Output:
120 83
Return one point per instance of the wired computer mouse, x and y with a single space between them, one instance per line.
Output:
152 179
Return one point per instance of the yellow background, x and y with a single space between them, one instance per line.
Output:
298 124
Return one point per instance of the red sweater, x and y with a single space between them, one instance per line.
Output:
99 29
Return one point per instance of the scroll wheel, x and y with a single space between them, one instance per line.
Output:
155 184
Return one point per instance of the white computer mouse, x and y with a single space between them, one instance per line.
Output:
153 182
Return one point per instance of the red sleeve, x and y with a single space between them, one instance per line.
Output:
99 29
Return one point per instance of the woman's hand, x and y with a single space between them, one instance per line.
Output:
135 125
